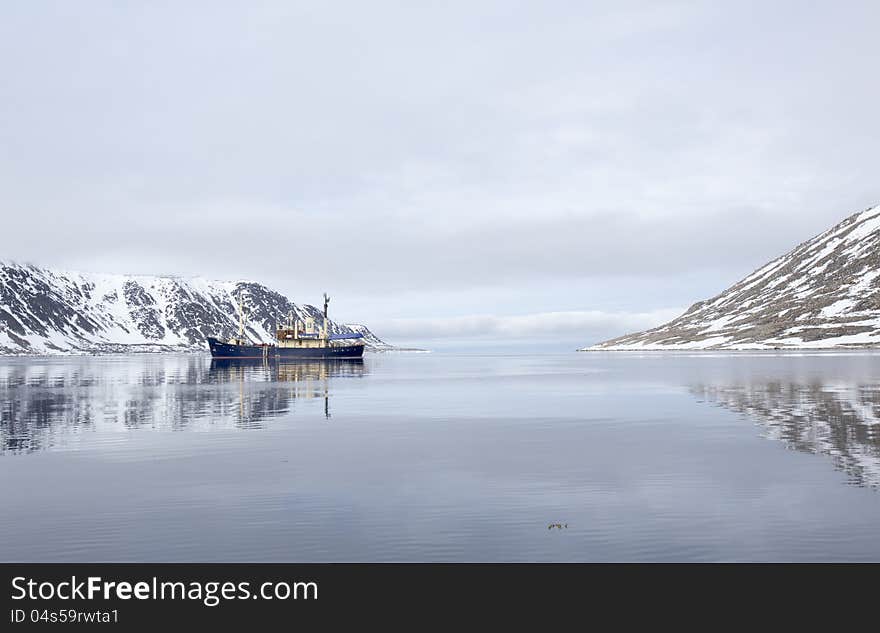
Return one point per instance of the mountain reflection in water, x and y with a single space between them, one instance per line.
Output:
45 404
841 421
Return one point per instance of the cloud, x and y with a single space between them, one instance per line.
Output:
584 324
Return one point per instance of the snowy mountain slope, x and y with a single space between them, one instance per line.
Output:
45 311
825 293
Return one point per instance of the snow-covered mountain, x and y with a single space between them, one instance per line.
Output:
825 293
45 311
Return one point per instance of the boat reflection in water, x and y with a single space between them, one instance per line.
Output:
841 421
303 379
91 402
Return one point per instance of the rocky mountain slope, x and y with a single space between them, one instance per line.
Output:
45 311
825 293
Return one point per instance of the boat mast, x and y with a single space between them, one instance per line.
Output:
326 301
292 324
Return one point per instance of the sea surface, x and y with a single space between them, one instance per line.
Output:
499 456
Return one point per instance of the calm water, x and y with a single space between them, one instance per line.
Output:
442 457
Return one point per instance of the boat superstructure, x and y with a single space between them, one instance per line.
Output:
296 339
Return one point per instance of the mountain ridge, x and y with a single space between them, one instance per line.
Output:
822 294
50 311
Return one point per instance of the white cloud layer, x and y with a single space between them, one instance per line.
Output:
553 325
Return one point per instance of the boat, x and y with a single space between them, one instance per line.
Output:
296 340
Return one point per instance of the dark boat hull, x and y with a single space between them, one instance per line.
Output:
220 349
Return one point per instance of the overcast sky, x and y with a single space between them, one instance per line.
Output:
452 169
